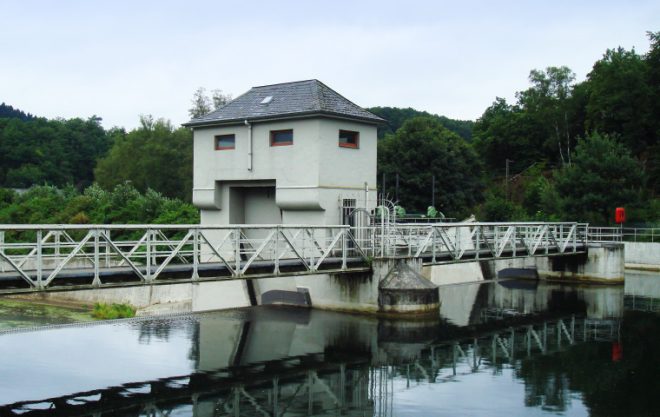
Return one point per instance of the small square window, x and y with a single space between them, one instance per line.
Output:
225 142
281 137
348 139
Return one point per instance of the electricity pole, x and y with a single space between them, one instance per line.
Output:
397 187
506 189
433 192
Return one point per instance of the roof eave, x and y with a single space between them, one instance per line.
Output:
301 115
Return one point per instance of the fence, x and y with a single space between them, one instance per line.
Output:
451 242
47 255
625 234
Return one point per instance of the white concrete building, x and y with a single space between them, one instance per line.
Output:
291 153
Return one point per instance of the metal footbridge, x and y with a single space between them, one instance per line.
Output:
36 258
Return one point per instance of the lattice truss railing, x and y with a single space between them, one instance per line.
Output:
42 254
451 242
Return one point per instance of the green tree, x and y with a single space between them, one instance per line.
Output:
202 104
423 148
603 176
508 132
56 152
653 80
155 156
620 99
496 208
547 101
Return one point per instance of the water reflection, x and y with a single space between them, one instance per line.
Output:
525 348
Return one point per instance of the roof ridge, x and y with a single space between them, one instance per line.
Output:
285 83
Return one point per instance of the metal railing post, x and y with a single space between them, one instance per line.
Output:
106 246
39 259
277 250
237 250
2 248
514 241
433 237
195 254
575 232
97 248
478 244
56 237
148 255
343 249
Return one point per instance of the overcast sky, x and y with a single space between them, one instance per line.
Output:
118 59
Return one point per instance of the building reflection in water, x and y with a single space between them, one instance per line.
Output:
271 361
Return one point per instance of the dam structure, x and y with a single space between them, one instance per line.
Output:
285 180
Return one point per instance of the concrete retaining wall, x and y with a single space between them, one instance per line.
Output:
342 292
642 255
159 299
603 263
453 273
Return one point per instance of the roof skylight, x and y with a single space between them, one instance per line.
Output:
267 100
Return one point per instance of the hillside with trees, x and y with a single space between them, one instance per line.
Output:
396 117
587 147
8 112
36 151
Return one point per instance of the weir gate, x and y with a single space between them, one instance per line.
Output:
39 258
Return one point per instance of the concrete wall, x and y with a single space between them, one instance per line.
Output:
297 164
160 299
642 255
603 263
453 273
311 176
342 292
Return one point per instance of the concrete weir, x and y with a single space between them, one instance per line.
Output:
394 286
405 291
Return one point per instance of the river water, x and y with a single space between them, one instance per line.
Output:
506 348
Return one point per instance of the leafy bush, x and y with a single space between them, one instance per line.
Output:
103 311
497 209
124 204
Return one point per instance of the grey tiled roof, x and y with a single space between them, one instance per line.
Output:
299 98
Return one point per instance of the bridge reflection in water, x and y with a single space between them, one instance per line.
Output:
269 361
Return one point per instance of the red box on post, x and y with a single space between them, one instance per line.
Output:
620 215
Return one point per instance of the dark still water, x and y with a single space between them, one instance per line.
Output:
508 348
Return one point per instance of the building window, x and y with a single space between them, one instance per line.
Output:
224 142
281 137
348 139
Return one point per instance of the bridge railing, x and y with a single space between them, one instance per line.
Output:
41 254
453 242
625 234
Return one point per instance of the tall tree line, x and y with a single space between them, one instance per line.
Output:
575 150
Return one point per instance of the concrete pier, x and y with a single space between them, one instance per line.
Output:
603 263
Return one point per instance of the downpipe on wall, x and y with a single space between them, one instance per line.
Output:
249 161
